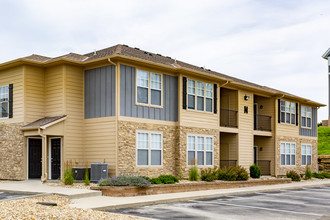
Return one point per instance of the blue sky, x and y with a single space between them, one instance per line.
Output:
273 43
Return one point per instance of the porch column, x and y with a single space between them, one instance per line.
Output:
44 174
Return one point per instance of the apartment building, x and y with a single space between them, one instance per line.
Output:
147 114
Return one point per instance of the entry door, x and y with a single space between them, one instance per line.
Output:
55 160
255 154
35 147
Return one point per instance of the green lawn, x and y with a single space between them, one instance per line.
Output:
324 140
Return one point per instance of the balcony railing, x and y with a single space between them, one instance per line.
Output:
228 163
264 166
262 122
228 118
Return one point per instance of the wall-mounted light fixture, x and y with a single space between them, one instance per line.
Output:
246 97
261 106
260 148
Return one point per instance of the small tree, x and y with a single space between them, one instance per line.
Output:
68 174
308 173
87 182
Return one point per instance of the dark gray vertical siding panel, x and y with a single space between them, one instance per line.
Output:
100 92
169 112
309 132
122 89
103 92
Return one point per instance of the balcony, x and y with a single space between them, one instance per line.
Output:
264 167
262 122
228 118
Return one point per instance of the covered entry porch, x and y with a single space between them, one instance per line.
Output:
264 154
44 149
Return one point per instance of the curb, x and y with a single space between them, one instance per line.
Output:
164 201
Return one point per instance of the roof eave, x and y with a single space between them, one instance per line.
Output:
326 54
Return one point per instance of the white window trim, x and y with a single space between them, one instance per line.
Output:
149 149
196 96
285 112
306 107
295 161
196 143
6 101
306 154
149 89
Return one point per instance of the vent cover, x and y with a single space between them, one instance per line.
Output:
99 171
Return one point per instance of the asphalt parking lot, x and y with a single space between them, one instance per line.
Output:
13 195
308 203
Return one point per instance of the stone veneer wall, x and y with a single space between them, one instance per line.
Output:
182 161
11 151
174 148
281 170
126 163
324 163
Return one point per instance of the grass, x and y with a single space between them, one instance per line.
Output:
323 140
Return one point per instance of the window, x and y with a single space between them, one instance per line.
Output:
288 154
288 112
4 101
306 154
306 116
149 149
203 99
148 83
200 150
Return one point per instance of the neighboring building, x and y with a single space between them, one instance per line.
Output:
326 56
144 113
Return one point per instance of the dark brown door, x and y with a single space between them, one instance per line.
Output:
55 145
35 146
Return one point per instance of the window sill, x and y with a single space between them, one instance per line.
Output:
193 110
149 105
310 128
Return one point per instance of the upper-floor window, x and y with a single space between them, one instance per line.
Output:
306 154
202 98
4 98
200 150
288 112
148 88
306 116
288 153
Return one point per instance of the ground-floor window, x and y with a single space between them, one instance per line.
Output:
149 149
200 150
288 153
306 154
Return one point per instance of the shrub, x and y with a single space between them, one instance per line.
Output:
236 173
156 181
87 182
318 175
193 173
146 178
68 177
208 174
308 173
293 175
168 179
255 171
326 175
125 181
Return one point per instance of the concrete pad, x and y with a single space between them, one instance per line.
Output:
36 186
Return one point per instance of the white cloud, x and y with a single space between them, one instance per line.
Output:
273 43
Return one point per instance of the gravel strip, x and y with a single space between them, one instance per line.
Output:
29 209
75 185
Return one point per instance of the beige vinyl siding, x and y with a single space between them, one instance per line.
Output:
14 76
245 126
34 94
74 102
100 141
191 118
54 91
268 150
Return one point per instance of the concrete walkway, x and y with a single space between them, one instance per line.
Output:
36 187
90 199
107 203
